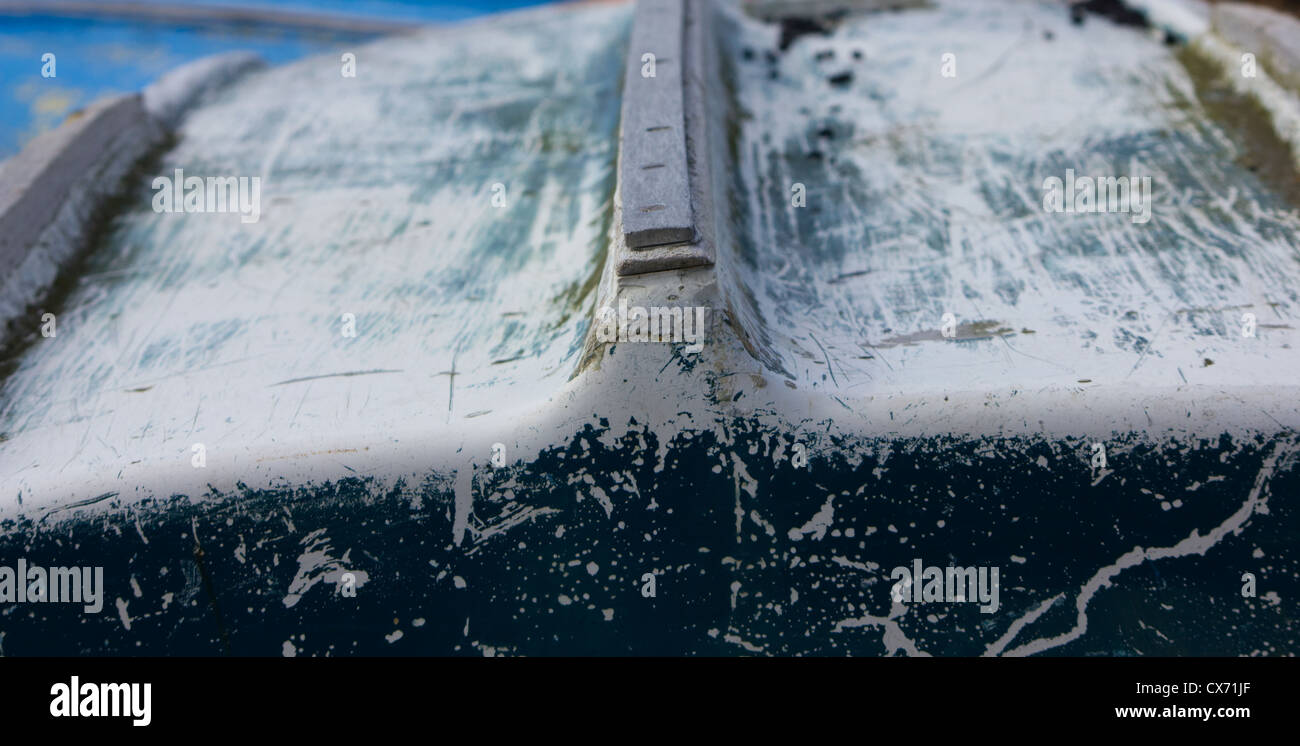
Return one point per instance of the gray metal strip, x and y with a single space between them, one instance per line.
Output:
653 172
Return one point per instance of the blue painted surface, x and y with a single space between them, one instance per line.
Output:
102 57
413 10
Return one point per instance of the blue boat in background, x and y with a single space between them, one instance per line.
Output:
104 49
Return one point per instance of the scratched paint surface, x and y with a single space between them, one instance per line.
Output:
378 199
752 556
649 461
925 196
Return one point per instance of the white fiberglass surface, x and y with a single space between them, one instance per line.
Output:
924 145
426 250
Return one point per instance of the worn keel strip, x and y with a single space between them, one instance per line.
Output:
661 158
